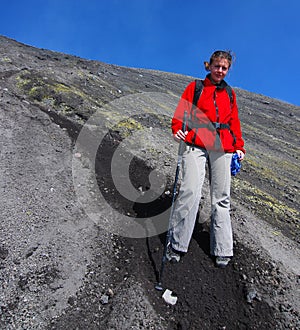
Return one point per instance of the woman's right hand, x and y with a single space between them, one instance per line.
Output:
180 135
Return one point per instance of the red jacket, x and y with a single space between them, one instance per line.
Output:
213 100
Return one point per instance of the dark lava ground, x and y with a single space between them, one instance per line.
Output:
208 297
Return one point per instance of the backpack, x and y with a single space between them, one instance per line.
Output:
199 88
235 165
215 125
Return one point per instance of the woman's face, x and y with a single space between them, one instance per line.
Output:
219 69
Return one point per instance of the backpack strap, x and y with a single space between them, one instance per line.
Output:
197 94
230 94
198 91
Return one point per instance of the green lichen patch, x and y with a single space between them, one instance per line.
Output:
127 126
6 59
47 91
266 206
34 86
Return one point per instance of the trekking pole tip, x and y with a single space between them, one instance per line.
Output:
158 286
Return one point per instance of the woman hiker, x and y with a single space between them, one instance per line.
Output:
212 135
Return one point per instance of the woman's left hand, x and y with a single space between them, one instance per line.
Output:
240 154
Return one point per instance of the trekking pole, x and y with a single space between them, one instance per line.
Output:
181 149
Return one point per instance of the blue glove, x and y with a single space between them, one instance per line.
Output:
235 164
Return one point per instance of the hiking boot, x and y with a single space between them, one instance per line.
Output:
172 255
222 262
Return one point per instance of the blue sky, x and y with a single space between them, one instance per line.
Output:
170 35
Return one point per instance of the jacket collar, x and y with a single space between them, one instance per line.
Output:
209 82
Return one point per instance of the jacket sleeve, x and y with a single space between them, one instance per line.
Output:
235 126
185 104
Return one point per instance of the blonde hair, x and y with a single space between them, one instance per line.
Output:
227 54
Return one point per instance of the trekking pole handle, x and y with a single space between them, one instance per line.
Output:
181 143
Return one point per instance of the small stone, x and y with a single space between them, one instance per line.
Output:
110 292
3 253
104 299
251 294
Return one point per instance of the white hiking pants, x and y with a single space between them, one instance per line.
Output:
187 203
